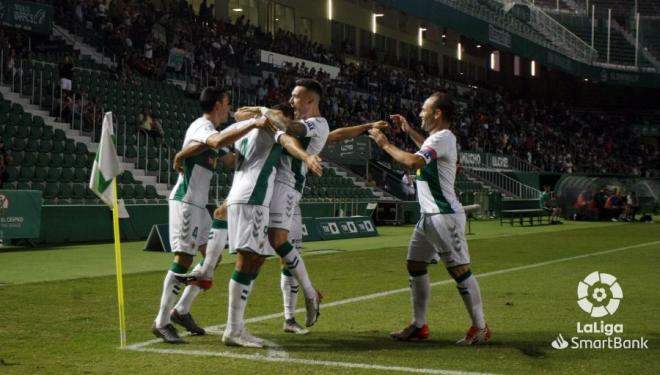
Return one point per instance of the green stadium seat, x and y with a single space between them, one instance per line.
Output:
127 191
18 144
58 146
12 173
43 159
10 131
81 149
81 161
68 160
80 175
78 193
139 191
22 132
41 186
69 146
150 192
36 132
26 174
66 175
59 135
55 160
32 145
29 159
40 174
23 185
52 191
65 191
48 133
45 146
53 174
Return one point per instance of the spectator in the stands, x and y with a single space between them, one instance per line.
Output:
149 124
66 75
5 160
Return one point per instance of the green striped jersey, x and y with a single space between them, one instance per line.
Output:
291 171
435 181
192 185
256 156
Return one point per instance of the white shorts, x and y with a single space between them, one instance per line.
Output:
296 233
248 229
443 234
189 227
283 205
65 83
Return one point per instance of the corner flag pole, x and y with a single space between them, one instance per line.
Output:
118 270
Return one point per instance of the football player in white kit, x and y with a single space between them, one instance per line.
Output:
189 221
248 206
441 228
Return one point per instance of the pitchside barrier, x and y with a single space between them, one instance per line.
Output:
20 214
313 228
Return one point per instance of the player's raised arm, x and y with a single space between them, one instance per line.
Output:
292 145
354 131
246 113
194 149
234 132
408 129
409 160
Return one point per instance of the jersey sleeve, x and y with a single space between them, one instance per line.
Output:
313 127
202 133
434 147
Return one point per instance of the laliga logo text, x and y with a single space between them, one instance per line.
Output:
599 295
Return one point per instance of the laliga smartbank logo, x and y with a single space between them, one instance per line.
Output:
599 295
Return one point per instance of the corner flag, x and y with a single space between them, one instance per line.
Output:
106 164
104 184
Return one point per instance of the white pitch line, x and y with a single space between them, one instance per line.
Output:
311 362
141 346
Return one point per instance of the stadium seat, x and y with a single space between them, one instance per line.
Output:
53 174
26 174
45 146
150 192
40 174
65 191
68 160
80 175
29 159
52 191
66 175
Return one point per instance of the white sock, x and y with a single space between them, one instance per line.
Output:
296 266
214 248
289 286
239 290
468 287
171 288
420 289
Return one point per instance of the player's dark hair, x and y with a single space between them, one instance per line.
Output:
286 109
312 85
443 102
209 96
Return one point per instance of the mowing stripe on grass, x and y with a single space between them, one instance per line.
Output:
142 346
311 362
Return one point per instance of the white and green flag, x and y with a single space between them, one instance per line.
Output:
106 164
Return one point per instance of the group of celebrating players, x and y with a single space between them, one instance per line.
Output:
272 150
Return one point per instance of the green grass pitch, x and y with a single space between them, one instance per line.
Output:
59 311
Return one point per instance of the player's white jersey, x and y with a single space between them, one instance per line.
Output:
193 184
435 181
291 171
257 154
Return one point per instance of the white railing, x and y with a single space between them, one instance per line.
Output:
562 39
503 183
560 36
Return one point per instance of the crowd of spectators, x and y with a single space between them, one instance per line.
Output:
551 137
